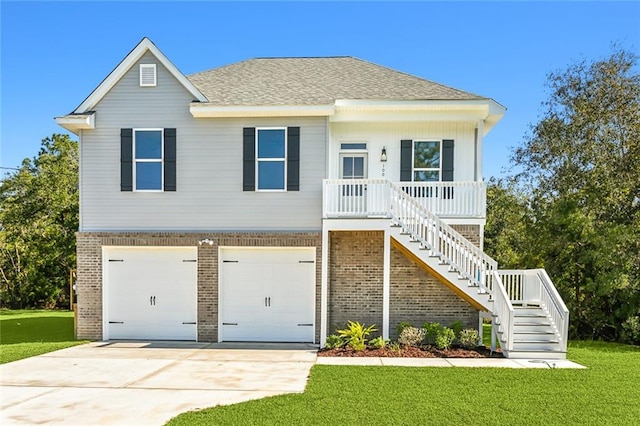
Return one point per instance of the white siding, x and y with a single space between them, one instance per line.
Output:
209 192
389 135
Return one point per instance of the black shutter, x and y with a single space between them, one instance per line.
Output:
293 159
249 159
126 159
169 159
447 160
406 155
447 167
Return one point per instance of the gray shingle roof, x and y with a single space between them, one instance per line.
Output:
314 81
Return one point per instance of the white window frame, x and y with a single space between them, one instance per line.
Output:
346 152
421 169
280 160
155 75
148 160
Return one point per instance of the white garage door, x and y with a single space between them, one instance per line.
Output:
150 293
267 294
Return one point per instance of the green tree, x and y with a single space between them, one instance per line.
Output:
38 221
581 171
509 220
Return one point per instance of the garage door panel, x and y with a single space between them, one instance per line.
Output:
265 293
151 292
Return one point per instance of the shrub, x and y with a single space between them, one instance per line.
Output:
333 341
445 338
411 336
401 326
631 330
355 335
395 347
468 338
457 327
378 343
432 329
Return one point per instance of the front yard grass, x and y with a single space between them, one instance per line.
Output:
606 393
26 333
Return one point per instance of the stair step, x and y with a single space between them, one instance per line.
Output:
532 328
547 355
536 346
538 314
534 337
544 340
530 310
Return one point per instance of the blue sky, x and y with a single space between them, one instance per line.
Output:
53 54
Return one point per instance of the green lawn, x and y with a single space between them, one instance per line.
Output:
607 393
27 333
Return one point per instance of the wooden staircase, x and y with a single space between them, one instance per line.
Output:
530 319
534 336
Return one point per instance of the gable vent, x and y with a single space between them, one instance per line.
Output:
148 75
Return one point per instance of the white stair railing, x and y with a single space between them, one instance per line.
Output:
503 313
440 239
556 309
534 287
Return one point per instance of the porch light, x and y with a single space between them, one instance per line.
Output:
383 155
206 241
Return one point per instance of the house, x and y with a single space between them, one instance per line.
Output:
275 199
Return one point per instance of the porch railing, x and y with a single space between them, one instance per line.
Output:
534 287
370 197
450 199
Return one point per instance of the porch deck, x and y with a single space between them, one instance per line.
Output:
371 198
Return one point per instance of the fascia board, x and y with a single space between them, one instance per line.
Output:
216 111
107 84
76 122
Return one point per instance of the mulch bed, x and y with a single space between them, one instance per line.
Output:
414 352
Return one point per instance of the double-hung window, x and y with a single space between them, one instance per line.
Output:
148 159
271 159
426 161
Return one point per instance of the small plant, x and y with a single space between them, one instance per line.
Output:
457 327
445 338
395 347
355 335
401 326
468 338
333 341
432 329
631 330
378 343
411 336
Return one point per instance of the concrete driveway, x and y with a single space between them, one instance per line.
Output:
145 382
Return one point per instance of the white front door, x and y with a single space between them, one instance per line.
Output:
353 166
267 294
150 293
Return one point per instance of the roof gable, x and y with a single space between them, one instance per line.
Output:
315 81
125 65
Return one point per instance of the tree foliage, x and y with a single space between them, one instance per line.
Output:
38 220
578 196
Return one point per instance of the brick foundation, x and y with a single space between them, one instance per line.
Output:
355 278
89 274
416 297
356 286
